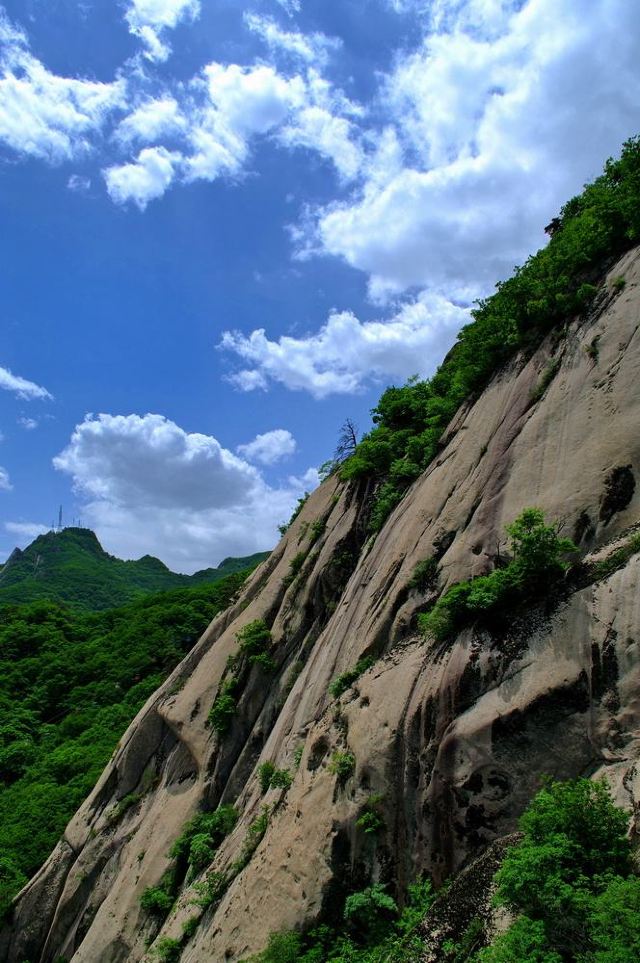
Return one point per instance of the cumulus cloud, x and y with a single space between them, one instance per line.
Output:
150 487
500 116
150 461
312 48
153 119
27 390
5 483
269 448
25 532
317 129
203 128
347 354
241 103
45 116
143 180
150 19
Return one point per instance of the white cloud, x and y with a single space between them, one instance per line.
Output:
149 19
241 103
5 484
501 116
269 448
79 183
229 107
43 115
150 121
150 461
290 6
25 531
27 390
198 129
157 50
151 487
28 423
147 178
312 48
347 354
319 130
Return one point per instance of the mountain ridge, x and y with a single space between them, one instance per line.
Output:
71 566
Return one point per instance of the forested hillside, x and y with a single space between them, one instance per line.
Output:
70 683
70 566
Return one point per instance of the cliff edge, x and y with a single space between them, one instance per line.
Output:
451 739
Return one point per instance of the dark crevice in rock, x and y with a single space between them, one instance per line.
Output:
619 486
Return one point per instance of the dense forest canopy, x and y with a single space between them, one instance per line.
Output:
70 683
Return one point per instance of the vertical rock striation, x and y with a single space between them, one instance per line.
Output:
454 737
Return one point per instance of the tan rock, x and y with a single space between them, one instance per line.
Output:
456 737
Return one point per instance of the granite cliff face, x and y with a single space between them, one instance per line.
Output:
455 737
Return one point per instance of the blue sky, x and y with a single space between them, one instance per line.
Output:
227 226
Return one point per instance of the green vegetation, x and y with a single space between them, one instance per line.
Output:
190 926
370 820
462 950
537 565
342 765
367 913
158 900
71 567
224 706
607 566
299 506
167 950
272 778
255 835
211 889
194 849
571 882
215 884
424 575
372 931
316 530
281 779
295 567
553 285
546 378
70 683
255 642
344 681
201 836
593 349
297 755
265 772
254 645
619 283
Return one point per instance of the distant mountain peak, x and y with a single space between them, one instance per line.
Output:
70 565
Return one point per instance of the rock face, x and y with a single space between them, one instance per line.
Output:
455 737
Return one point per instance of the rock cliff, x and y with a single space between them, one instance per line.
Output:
453 737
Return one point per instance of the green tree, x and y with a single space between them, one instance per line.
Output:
570 879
